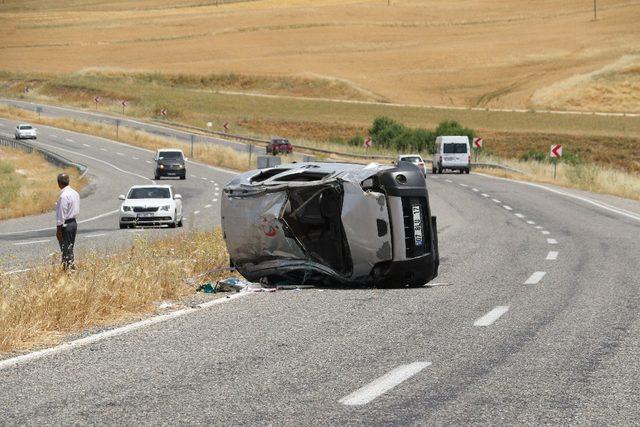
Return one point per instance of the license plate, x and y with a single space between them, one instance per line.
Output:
171 173
145 214
449 159
417 225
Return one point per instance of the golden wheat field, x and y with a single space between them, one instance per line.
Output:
507 53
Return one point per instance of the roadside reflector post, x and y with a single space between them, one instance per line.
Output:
193 139
117 127
39 110
250 152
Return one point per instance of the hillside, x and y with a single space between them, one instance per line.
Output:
512 53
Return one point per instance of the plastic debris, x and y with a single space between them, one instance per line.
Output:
231 284
165 304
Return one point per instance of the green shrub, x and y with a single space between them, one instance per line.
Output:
572 159
9 183
453 128
537 156
356 141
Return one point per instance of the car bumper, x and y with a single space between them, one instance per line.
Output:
171 172
158 218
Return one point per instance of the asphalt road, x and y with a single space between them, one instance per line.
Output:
113 169
534 320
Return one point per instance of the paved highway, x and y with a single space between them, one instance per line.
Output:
533 320
113 168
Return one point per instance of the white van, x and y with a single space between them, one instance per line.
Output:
453 153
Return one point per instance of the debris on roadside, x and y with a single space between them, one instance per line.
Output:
165 304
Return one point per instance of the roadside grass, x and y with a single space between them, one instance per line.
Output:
45 305
586 176
28 183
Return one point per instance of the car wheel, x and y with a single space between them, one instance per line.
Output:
183 177
440 170
434 170
180 223
156 177
123 226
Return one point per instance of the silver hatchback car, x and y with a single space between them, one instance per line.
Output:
332 224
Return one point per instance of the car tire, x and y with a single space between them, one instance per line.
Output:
156 177
183 177
440 170
123 226
180 223
434 170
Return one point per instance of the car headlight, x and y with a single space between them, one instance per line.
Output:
161 166
126 208
180 166
165 207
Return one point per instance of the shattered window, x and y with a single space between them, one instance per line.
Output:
314 217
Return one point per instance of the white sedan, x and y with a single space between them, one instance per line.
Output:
151 205
24 131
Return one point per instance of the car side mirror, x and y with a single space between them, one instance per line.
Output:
186 158
121 197
177 197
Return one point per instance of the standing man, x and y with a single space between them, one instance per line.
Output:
67 210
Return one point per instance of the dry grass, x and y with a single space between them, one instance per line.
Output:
43 306
589 177
28 183
430 52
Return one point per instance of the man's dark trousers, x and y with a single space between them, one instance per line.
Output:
68 241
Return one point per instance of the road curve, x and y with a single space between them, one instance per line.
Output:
533 319
113 168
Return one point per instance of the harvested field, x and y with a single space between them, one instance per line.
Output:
464 53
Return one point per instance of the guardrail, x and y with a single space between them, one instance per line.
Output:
49 156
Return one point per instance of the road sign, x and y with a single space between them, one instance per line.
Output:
124 103
27 89
556 151
477 142
226 126
97 99
368 143
163 112
209 124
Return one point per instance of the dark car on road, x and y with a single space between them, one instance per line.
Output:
331 224
170 162
279 146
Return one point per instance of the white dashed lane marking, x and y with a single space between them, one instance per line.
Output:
552 241
193 176
103 149
387 382
475 189
69 140
95 235
120 154
485 195
552 256
135 158
463 185
496 201
148 161
535 278
538 227
545 232
491 316
448 180
509 208
215 200
531 223
207 206
519 215
196 212
86 145
203 178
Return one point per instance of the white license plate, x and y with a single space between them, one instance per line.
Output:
145 214
417 225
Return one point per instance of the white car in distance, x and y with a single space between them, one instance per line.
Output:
25 131
151 205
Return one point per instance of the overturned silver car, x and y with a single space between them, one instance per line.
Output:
331 224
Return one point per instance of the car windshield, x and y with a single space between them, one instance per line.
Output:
170 155
149 193
412 159
25 127
455 148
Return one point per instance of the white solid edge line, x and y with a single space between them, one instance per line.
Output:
535 278
601 205
491 316
53 228
552 241
388 381
8 273
552 256
95 235
7 363
32 242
